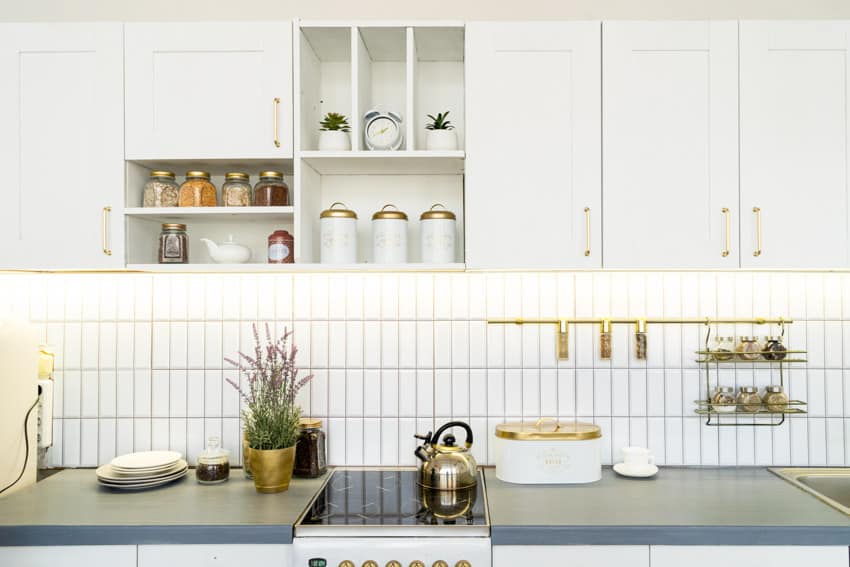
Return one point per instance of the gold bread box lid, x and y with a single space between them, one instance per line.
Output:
548 429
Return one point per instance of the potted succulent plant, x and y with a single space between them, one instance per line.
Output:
270 413
333 134
441 133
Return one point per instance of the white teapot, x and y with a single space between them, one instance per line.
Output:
228 252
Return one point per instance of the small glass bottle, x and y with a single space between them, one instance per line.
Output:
310 459
774 349
748 399
605 339
749 348
236 191
724 348
775 399
640 339
213 464
173 244
723 400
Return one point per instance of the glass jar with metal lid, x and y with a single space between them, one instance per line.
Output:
749 348
774 349
173 244
236 191
389 236
723 400
748 399
437 235
724 348
271 190
161 190
198 190
338 227
310 459
775 399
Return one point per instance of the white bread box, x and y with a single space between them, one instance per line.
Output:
548 452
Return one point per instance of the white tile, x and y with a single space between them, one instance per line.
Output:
372 449
619 437
124 436
834 392
584 392
496 296
691 447
460 394
583 352
195 439
745 446
708 295
371 296
90 343
406 344
71 439
654 295
319 296
764 446
72 392
816 393
407 393
372 393
460 344
389 296
336 393
425 393
566 295
141 345
160 345
673 441
72 351
495 392
213 388
566 392
835 442
478 296
354 435
318 394
833 344
160 437
125 391
177 437
353 345
390 454
638 432
195 344
55 302
513 295
656 441
301 297
442 393
799 441
814 296
337 292
106 440
283 297
673 351
513 393
548 392
655 398
389 393
406 297
178 390
142 393
336 343
709 445
178 334
88 443
530 393
162 292
389 344
89 394
584 295
354 391
141 434
425 296
637 392
372 344
602 384
782 444
672 283
249 298
496 346
212 345
460 296
513 345
442 297
817 442
337 441
107 393
319 344
442 344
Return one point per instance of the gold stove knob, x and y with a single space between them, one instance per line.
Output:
417 563
347 563
393 563
440 563
463 563
370 563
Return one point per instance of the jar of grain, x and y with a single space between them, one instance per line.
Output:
161 190
236 191
198 190
173 244
389 236
748 399
749 348
775 399
271 190
338 238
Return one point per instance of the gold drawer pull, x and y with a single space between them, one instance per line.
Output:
104 231
757 251
275 109
725 212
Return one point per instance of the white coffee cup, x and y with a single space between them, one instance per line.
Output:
637 457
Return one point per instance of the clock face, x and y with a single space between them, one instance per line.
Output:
382 133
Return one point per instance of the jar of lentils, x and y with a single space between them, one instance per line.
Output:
161 190
271 190
198 190
236 191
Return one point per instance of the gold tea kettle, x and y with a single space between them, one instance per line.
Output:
446 465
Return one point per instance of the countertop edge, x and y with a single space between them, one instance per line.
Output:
58 535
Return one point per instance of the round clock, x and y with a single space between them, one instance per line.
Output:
382 130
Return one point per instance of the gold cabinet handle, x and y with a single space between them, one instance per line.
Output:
587 231
725 212
757 251
104 230
275 107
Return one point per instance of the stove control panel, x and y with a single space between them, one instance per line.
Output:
392 563
392 552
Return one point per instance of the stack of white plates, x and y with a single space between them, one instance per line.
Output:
136 471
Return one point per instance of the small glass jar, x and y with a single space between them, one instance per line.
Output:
310 459
722 396
213 464
749 348
775 399
161 190
173 244
236 191
724 348
198 190
640 339
605 339
774 349
271 190
748 399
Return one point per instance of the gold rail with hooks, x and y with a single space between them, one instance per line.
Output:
648 321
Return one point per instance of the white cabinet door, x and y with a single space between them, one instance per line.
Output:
61 146
208 90
69 556
747 556
571 555
214 555
670 144
533 145
794 147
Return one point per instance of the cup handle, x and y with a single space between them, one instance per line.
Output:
651 460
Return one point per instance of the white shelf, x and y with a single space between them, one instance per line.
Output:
417 162
188 213
217 167
257 267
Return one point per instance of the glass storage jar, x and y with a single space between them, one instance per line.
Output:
775 399
723 395
198 190
236 191
173 244
774 349
724 348
271 190
310 459
213 464
749 348
748 399
605 339
640 339
281 247
161 190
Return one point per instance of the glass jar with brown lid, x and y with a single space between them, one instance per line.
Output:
161 190
236 191
173 244
198 190
271 190
310 459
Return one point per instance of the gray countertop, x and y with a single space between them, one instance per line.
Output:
70 508
680 506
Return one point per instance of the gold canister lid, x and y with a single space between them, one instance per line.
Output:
343 213
276 174
162 173
169 226
202 174
309 423
548 429
236 175
385 214
432 214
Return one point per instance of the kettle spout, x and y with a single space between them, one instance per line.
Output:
422 454
211 246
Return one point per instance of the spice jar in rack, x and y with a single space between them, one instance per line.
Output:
775 399
310 458
774 349
236 191
271 190
723 400
198 190
161 190
748 399
749 348
173 244
724 348
389 236
437 235
281 247
338 228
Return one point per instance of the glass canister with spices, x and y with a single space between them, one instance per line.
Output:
271 190
161 190
213 464
749 348
173 244
310 457
236 191
748 399
198 190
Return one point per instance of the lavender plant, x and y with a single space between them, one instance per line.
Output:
271 414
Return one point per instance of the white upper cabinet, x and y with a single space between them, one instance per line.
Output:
212 90
670 144
794 146
61 146
533 173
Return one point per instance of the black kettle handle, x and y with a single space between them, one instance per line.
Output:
468 443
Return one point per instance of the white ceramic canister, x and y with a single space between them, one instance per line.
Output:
338 235
437 229
389 236
548 452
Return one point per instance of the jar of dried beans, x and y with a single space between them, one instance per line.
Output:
198 190
271 190
236 191
161 190
173 245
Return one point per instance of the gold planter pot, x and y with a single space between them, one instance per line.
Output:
272 469
246 457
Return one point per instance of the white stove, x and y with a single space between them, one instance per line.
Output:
383 518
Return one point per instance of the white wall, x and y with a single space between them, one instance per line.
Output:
52 10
